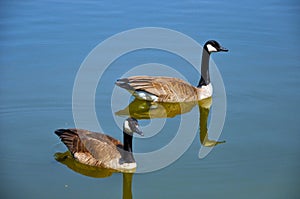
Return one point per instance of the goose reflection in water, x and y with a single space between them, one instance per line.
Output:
94 172
141 109
204 109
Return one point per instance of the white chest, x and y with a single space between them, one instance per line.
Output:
205 92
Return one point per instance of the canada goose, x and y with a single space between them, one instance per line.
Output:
168 89
97 149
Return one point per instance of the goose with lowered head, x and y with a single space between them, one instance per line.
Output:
97 149
169 89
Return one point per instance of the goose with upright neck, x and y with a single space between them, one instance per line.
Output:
170 89
98 149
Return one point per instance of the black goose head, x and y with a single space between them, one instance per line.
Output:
131 126
213 46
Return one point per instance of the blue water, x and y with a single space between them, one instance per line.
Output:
43 44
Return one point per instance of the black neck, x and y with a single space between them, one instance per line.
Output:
205 78
127 142
127 148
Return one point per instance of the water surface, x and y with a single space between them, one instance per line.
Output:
43 44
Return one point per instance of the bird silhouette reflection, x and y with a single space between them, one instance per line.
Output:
142 110
95 172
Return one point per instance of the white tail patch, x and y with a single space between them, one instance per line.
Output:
210 48
145 96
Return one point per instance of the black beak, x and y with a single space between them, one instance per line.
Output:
134 126
137 129
223 49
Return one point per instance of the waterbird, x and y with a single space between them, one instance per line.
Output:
101 150
170 89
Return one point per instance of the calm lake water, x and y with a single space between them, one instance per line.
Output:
43 44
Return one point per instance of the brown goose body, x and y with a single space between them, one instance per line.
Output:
163 89
96 149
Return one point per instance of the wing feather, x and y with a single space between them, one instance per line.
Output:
100 146
167 89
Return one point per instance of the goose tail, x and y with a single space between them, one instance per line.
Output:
124 83
71 139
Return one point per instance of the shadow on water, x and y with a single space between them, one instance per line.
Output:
143 110
95 172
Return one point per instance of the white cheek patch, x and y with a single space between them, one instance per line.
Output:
210 48
126 126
